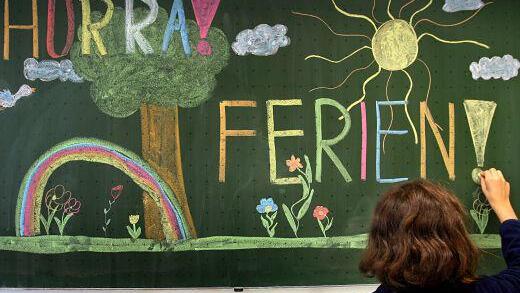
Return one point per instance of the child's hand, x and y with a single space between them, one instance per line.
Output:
496 189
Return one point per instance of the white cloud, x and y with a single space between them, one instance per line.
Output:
263 40
497 68
461 5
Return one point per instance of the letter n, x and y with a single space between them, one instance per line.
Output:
447 156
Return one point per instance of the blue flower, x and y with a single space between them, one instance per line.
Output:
266 205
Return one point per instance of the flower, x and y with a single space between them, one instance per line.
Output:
266 205
72 206
133 219
56 197
293 163
320 212
116 191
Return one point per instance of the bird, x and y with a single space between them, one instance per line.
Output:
8 100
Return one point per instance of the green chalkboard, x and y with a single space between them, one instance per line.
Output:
247 149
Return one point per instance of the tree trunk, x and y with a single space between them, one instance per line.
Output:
162 150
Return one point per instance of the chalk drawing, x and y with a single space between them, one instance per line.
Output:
480 115
268 210
394 46
503 68
263 40
8 100
303 204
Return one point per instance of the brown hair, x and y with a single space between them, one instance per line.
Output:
418 238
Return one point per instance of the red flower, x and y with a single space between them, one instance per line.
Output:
320 212
116 191
293 163
72 206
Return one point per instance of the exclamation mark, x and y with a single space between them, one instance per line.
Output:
479 114
204 13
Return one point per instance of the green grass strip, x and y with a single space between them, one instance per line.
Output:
51 244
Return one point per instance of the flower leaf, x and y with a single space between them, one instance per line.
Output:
272 231
305 187
484 222
308 169
138 232
105 211
305 207
273 216
289 217
108 222
130 231
329 224
481 220
58 221
104 229
264 222
322 228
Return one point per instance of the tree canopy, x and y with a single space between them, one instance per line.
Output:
121 82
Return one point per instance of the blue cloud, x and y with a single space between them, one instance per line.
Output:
461 5
49 70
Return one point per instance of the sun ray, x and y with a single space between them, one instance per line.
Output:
429 78
388 9
452 42
364 89
420 10
337 61
345 80
373 14
452 24
404 6
406 107
354 15
429 86
391 111
330 28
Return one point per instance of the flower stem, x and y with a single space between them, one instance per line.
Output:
322 228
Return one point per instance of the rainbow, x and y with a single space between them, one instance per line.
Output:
97 151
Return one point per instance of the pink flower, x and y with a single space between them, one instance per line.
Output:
320 212
116 191
293 163
204 48
72 206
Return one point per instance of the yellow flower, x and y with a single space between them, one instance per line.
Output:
133 219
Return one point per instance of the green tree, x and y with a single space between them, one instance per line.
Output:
156 84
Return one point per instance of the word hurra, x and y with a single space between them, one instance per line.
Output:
90 31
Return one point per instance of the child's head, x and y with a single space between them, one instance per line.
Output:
418 238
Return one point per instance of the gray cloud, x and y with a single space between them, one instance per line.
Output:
460 5
49 70
497 67
263 40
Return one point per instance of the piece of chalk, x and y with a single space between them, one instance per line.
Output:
475 175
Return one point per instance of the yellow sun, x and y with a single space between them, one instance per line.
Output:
394 46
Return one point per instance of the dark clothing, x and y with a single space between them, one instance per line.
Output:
507 281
